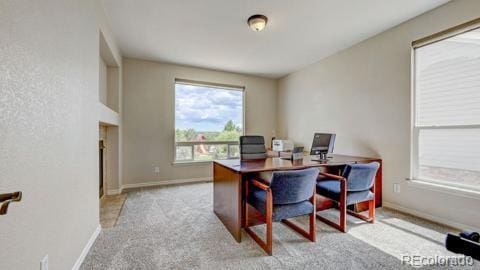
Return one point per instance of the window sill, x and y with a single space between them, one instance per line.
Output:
200 162
191 163
457 191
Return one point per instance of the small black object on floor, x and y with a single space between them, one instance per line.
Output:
466 243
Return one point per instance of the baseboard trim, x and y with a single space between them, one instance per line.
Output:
114 191
429 217
167 182
87 247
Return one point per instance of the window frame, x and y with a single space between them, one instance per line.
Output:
220 86
415 129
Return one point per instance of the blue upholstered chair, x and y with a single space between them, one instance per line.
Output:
357 184
252 147
288 194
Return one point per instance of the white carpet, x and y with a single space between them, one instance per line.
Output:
174 227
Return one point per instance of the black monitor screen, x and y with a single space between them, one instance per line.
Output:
322 143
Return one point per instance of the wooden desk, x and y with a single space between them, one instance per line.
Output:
228 177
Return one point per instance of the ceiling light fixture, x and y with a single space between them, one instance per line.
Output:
257 22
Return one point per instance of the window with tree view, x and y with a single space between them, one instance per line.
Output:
208 121
446 130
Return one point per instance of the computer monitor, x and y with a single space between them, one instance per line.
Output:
322 144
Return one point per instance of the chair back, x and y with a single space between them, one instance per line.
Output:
252 147
360 177
293 186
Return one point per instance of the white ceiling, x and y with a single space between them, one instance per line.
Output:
214 33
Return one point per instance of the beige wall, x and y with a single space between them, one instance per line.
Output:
363 95
102 134
113 159
110 93
49 81
102 91
49 119
110 135
113 88
148 116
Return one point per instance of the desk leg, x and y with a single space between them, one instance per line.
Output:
378 186
227 199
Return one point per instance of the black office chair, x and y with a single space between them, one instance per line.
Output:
252 147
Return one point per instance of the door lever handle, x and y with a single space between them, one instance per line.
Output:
7 198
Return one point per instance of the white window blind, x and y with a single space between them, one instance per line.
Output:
447 111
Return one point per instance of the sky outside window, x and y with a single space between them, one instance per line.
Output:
205 108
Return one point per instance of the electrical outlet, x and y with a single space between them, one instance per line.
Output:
44 263
396 188
157 170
